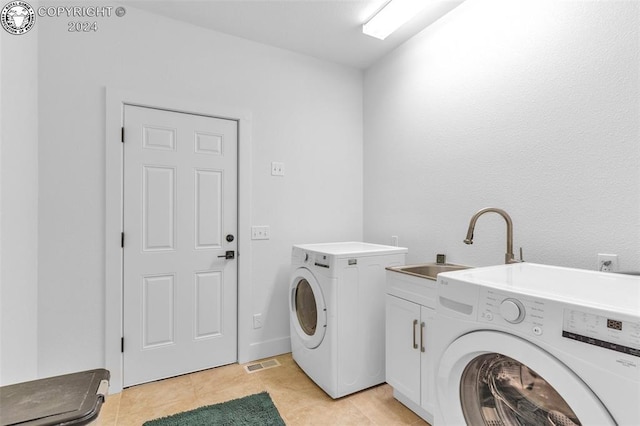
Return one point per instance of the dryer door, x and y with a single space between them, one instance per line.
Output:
307 308
493 378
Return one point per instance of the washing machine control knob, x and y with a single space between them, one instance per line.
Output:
512 310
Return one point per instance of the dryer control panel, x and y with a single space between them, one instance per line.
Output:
521 312
314 259
321 260
609 333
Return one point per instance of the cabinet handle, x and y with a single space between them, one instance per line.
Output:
422 337
415 323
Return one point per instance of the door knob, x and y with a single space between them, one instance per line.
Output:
228 255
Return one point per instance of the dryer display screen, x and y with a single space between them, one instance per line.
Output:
616 325
612 334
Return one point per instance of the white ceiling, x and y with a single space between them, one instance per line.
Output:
325 29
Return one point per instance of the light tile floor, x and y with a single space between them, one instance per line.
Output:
298 399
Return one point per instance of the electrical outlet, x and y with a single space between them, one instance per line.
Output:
277 169
394 240
607 262
257 321
260 232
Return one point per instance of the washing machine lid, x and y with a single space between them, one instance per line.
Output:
351 249
600 290
490 377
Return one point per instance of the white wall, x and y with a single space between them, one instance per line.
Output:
531 106
305 113
527 106
18 206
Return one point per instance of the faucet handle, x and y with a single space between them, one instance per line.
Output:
511 258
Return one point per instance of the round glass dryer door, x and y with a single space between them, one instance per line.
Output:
494 378
498 390
307 308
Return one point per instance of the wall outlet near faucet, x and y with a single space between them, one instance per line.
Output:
607 262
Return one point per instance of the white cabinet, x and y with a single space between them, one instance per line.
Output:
409 364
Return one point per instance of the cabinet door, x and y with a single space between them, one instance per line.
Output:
426 362
403 347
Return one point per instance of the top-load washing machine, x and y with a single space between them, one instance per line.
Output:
528 344
336 303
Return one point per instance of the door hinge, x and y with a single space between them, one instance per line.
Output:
122 344
122 134
122 239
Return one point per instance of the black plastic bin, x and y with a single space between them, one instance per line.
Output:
70 399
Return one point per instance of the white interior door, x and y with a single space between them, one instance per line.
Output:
180 220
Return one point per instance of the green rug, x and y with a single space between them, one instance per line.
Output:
255 409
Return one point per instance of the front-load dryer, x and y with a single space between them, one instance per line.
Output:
529 344
337 313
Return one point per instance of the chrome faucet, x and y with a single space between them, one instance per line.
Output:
508 257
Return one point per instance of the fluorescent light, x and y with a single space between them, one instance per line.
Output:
395 14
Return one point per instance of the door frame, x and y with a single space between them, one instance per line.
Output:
114 156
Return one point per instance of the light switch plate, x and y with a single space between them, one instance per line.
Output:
260 232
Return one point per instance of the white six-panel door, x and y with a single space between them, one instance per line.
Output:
180 219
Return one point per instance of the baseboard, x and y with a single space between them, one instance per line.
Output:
266 349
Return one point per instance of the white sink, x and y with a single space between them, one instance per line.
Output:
618 291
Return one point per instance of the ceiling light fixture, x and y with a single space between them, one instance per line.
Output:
392 16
